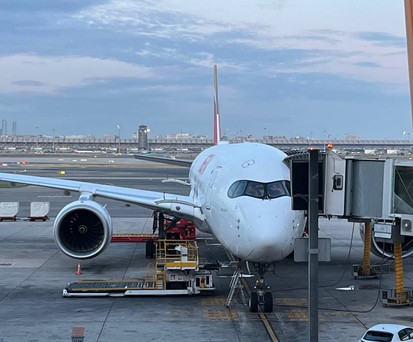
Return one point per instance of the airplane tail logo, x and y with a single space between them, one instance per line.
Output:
217 124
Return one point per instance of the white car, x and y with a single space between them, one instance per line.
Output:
388 333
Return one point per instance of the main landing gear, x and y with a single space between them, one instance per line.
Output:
261 295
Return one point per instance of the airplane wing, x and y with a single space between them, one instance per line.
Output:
83 228
165 160
178 204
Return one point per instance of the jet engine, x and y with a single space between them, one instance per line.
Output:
385 249
83 229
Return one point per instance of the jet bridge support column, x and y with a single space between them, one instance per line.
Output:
401 295
365 266
365 270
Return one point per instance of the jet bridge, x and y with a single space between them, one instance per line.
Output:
357 189
376 192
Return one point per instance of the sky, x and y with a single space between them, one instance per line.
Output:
314 69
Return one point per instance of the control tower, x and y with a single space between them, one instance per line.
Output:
143 137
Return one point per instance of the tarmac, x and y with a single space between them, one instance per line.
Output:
33 273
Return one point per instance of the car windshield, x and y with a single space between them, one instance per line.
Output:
259 190
382 336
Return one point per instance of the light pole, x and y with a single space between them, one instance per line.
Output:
119 138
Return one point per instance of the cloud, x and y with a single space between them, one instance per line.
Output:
46 5
151 60
49 74
344 54
384 39
185 21
320 41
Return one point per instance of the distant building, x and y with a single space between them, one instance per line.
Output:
14 128
78 137
183 136
143 137
352 137
3 127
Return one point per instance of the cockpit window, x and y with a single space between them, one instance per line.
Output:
259 190
237 189
255 189
278 189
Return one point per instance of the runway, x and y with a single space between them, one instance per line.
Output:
33 273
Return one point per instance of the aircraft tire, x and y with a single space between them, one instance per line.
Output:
253 302
268 302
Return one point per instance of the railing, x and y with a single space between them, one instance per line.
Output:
177 254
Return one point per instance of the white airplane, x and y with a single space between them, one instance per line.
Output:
240 193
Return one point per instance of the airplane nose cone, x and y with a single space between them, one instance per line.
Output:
271 237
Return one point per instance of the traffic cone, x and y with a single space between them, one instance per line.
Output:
79 271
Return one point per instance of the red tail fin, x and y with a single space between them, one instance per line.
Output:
217 124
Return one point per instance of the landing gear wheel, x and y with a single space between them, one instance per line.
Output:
253 303
268 303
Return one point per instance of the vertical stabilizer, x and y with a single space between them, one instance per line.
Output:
217 124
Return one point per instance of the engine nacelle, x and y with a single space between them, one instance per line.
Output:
83 229
385 249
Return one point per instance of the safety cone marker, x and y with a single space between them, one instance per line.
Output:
79 271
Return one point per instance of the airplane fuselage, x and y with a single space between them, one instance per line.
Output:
259 227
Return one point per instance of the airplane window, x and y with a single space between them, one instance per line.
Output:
255 189
278 189
259 190
237 189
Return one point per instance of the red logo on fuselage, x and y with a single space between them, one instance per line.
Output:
205 163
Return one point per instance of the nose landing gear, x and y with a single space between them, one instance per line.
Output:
261 296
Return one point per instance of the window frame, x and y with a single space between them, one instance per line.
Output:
244 187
